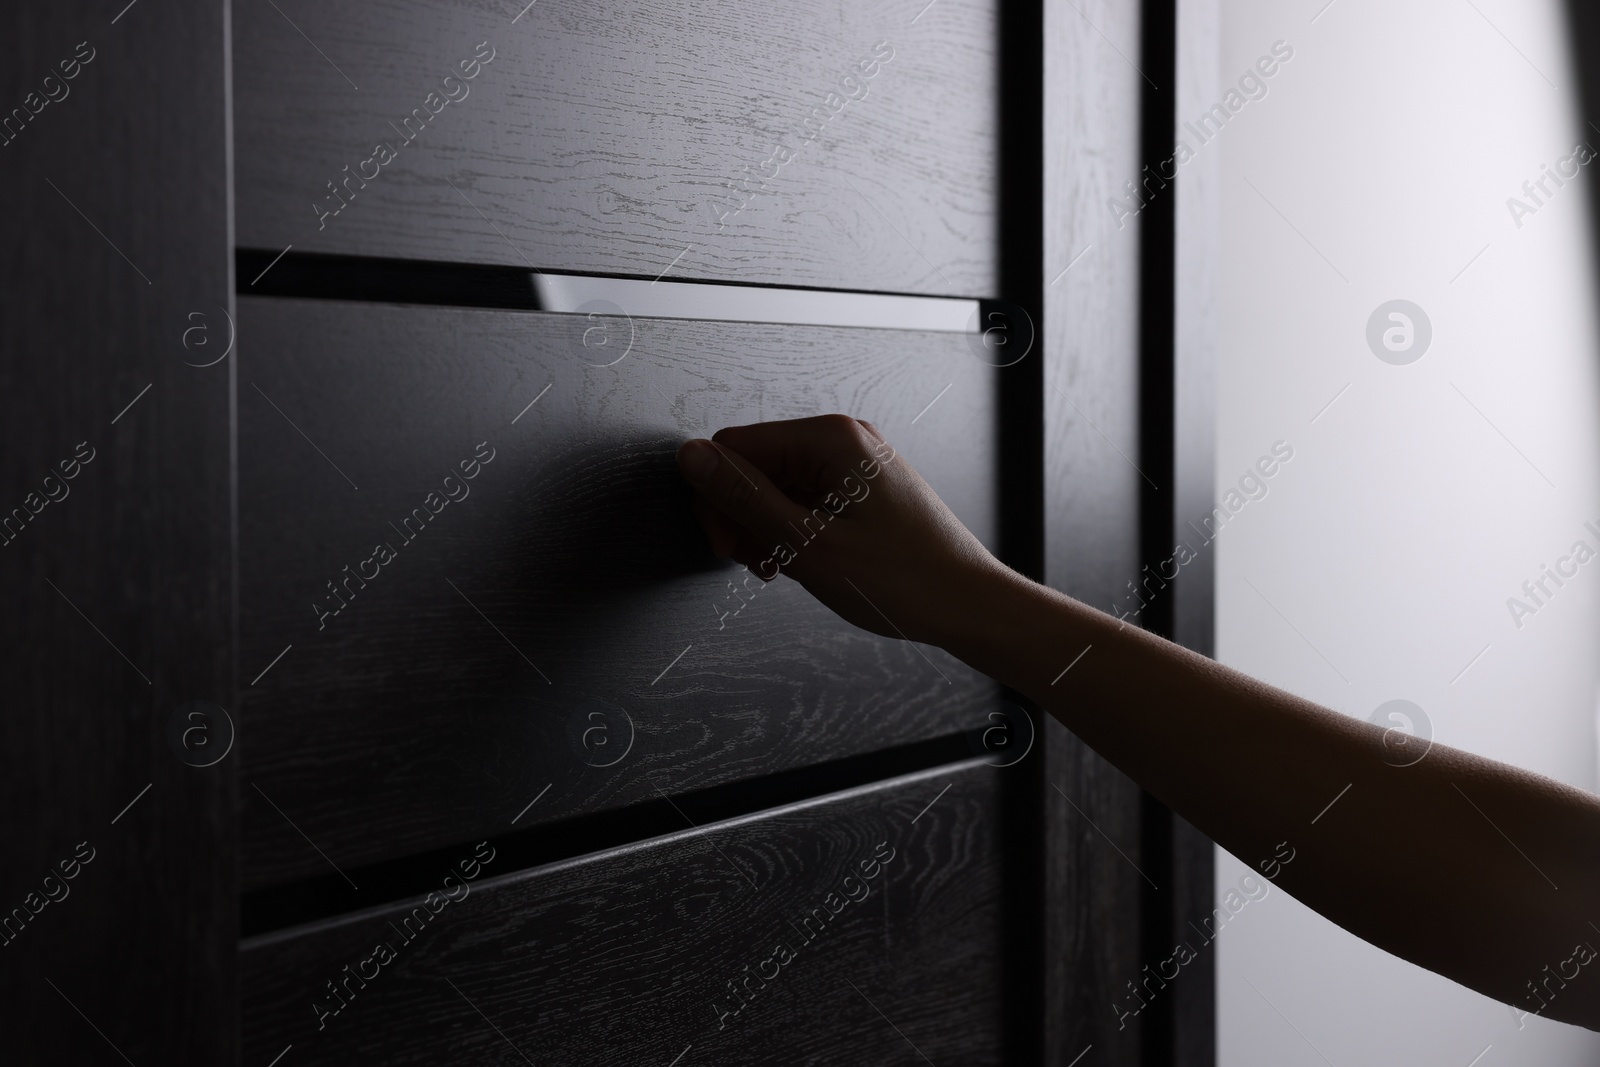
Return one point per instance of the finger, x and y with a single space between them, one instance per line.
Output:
721 531
729 540
763 563
739 489
757 555
809 453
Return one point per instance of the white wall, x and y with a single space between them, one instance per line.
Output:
1380 562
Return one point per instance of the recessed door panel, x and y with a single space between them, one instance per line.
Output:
823 143
862 927
473 595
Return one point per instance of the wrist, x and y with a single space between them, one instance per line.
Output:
1023 633
992 610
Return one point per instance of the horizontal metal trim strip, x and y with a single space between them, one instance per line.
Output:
364 278
636 298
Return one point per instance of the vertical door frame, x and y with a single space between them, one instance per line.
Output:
119 278
1118 408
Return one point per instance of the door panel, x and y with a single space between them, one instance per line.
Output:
118 839
552 627
823 143
628 956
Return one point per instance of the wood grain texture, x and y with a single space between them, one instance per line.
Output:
118 590
1091 394
611 137
626 957
507 647
1194 895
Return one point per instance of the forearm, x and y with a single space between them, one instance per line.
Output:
1474 869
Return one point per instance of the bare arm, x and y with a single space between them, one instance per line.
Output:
1479 871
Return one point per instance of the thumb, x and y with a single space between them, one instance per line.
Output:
737 488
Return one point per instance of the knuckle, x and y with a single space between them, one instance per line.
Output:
852 433
843 425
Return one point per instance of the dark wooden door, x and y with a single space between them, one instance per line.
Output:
522 773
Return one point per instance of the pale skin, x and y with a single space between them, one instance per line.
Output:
1474 869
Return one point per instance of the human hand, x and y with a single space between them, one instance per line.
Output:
828 502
